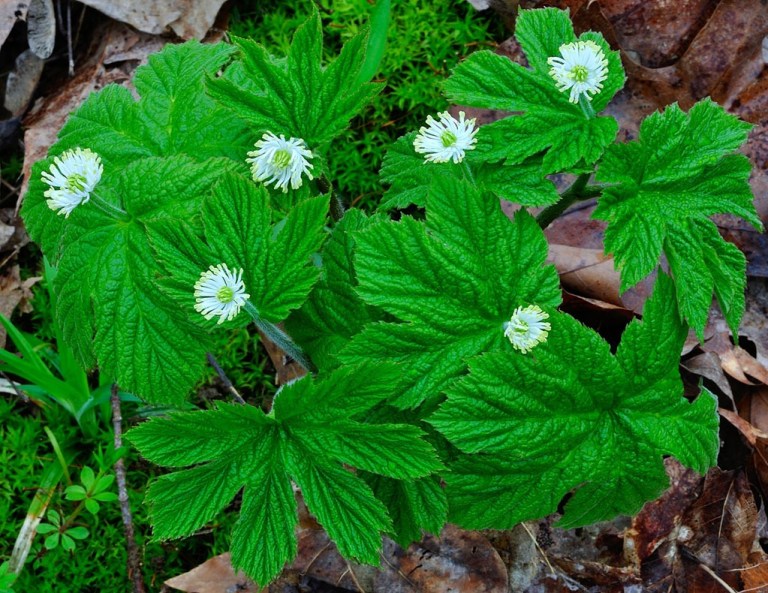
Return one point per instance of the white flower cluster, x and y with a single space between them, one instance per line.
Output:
280 161
527 328
72 177
581 67
446 139
221 292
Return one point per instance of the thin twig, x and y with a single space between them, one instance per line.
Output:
538 547
224 379
713 574
69 39
134 562
22 396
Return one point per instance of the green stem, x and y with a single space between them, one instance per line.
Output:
468 172
578 192
279 338
109 209
59 454
586 106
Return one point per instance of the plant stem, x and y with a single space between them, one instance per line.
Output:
280 338
224 379
586 106
578 192
468 172
110 209
134 562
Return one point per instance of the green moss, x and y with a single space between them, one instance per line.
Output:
425 41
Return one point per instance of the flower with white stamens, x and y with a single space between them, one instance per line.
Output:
581 67
72 177
527 328
446 139
280 161
221 292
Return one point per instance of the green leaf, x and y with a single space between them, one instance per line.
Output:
410 176
310 434
415 506
296 96
44 528
571 417
549 123
77 532
109 303
92 506
377 40
276 259
173 116
665 186
334 312
52 541
67 543
87 477
452 281
75 492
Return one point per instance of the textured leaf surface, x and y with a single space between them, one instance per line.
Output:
334 312
452 281
276 259
310 433
108 299
110 309
410 176
549 123
173 116
575 418
294 95
665 186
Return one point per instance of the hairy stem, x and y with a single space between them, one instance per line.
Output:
134 562
224 379
280 338
109 209
578 192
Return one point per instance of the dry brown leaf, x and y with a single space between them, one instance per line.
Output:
22 82
189 19
41 28
708 365
11 11
215 575
456 562
14 293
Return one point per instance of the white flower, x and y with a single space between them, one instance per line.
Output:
280 161
72 177
527 328
582 68
446 139
221 292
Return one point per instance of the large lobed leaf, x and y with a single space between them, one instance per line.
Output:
295 95
665 186
311 432
452 281
549 123
574 418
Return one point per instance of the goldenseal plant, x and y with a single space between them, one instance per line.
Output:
441 373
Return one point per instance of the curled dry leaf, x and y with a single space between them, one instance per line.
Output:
41 28
22 82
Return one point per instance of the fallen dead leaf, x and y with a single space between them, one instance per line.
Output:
189 19
14 293
455 562
10 12
708 365
215 575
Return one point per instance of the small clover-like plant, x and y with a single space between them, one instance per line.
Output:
444 383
